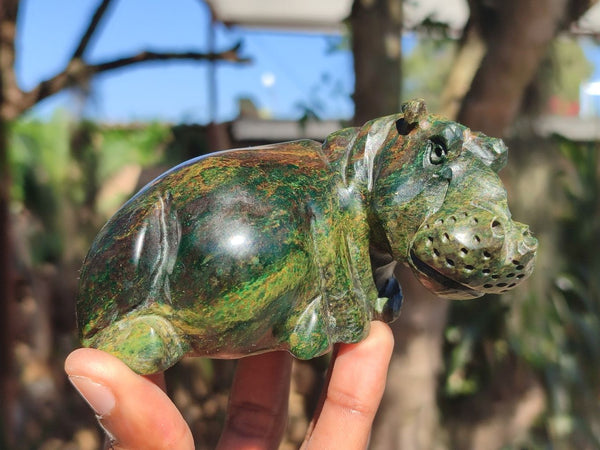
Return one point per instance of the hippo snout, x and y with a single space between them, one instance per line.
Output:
465 254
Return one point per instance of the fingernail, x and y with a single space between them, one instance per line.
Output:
98 396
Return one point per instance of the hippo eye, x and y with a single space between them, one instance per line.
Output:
437 150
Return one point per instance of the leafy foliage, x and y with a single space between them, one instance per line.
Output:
553 328
574 307
59 167
569 68
558 328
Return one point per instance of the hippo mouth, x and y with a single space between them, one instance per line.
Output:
465 254
439 283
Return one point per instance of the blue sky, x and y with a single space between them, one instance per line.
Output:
592 52
300 67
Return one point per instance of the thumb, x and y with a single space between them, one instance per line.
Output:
134 412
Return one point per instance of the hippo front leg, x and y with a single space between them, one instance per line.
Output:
309 335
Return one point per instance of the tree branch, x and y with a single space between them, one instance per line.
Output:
148 56
91 28
78 72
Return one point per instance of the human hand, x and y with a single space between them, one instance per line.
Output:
136 413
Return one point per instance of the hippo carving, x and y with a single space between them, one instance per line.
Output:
292 246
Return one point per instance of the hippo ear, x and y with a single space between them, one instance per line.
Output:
492 151
413 110
404 127
499 152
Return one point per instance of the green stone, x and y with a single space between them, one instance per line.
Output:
293 246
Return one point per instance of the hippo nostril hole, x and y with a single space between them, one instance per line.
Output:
463 252
488 286
518 264
436 252
497 230
450 262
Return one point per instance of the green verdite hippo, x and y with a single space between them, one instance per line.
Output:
292 246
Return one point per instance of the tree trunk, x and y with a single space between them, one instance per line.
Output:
6 296
8 20
377 47
466 62
517 34
408 417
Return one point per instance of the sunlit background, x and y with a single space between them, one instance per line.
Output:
296 63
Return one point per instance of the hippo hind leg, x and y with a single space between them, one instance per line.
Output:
147 343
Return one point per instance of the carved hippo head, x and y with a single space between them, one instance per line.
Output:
438 203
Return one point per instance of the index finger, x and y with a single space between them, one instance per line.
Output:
354 392
257 411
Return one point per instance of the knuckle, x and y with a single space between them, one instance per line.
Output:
351 402
255 421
